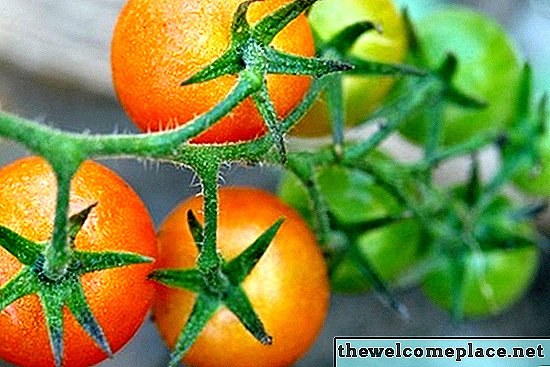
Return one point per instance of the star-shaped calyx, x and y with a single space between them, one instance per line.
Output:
225 291
250 52
67 290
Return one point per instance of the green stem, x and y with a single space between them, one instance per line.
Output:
208 261
394 113
473 145
58 250
49 142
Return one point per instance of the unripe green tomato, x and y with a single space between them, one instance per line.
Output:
488 69
353 197
390 249
494 280
361 94
535 180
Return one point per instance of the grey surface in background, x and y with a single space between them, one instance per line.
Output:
163 186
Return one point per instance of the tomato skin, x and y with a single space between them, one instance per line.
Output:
362 95
119 298
353 197
157 44
288 287
488 69
508 275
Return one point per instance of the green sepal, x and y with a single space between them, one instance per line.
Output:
197 231
52 304
473 188
415 47
346 38
88 262
239 268
203 310
238 303
283 63
190 279
461 99
240 27
525 93
448 67
23 284
77 304
266 29
27 252
378 284
373 68
229 63
76 222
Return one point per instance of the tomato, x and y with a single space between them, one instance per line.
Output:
535 179
288 287
488 69
353 198
499 273
157 44
362 94
119 298
494 280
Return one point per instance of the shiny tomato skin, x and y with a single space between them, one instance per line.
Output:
119 298
288 287
157 44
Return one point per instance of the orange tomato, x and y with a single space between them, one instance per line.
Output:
157 44
288 287
119 298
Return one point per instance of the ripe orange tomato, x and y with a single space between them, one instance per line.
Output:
119 298
288 287
157 44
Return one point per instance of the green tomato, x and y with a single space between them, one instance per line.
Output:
535 180
494 280
390 249
361 94
353 197
488 69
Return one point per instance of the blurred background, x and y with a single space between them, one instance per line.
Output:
54 68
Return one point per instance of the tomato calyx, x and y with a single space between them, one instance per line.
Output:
64 290
525 144
216 288
338 48
250 56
